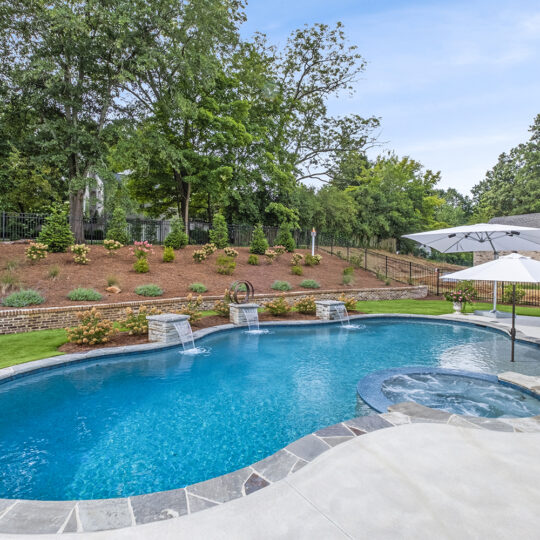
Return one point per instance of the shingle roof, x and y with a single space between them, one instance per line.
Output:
523 220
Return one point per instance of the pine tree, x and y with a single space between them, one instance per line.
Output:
259 243
177 238
118 227
285 238
56 233
219 234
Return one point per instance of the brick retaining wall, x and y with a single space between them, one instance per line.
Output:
25 320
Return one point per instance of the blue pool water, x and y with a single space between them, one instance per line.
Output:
161 420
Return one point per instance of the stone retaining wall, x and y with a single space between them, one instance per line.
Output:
26 320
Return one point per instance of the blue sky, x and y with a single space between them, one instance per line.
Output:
455 83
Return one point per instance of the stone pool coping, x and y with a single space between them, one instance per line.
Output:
31 516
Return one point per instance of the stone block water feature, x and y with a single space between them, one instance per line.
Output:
162 327
329 310
243 314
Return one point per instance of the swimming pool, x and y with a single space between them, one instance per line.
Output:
159 420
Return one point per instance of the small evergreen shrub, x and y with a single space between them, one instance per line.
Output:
199 255
349 301
347 279
168 254
312 260
253 260
225 265
193 308
198 287
136 323
92 329
507 294
112 245
278 306
209 249
177 237
55 232
149 290
270 256
23 298
281 286
310 284
219 234
36 251
285 238
296 258
231 252
259 243
80 253
118 227
296 270
348 271
81 294
141 266
306 305
53 272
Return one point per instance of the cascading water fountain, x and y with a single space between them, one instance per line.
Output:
186 338
343 316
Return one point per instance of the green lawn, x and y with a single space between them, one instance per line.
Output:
19 348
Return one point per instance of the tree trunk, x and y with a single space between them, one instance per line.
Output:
76 199
184 190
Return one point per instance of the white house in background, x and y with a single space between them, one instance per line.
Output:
94 194
521 220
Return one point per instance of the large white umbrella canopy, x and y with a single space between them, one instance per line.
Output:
481 237
511 268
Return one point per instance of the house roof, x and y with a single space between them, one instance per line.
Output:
522 220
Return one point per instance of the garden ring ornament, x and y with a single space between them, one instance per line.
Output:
237 287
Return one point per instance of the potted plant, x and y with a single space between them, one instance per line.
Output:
459 299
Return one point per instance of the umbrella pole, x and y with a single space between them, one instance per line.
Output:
513 331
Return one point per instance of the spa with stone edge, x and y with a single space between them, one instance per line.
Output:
107 440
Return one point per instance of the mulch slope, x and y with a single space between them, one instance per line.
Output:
174 278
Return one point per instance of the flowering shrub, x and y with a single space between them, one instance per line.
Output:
280 250
193 308
350 302
80 253
92 329
142 249
209 249
296 258
463 296
36 251
112 245
231 252
306 305
278 306
312 260
136 323
199 255
270 255
222 306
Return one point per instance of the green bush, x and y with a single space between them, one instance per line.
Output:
55 232
219 234
23 298
310 284
149 290
225 265
306 305
347 279
312 260
507 294
118 227
253 260
284 238
259 243
84 295
349 271
141 266
177 237
297 270
281 286
198 287
168 254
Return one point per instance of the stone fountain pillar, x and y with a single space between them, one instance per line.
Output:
329 310
239 314
161 327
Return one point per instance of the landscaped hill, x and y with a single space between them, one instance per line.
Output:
174 278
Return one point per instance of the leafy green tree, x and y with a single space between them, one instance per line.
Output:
259 243
219 234
285 238
118 227
177 238
55 232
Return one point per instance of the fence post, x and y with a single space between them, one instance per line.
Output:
332 245
365 259
437 273
3 226
386 266
410 272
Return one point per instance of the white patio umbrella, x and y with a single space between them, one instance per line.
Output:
512 268
481 237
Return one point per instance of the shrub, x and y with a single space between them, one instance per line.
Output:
177 237
280 250
193 308
278 306
281 286
310 284
209 249
8 280
312 260
23 298
198 287
80 253
136 323
231 252
112 281
13 264
284 237
297 270
118 227
296 258
199 255
347 279
270 256
141 266
507 294
149 290
222 306
92 329
219 234
36 251
253 260
53 272
349 301
356 261
141 249
306 305
168 254
225 265
84 295
112 245
259 243
387 281
55 232
349 271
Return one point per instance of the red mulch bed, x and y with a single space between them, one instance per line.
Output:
174 278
